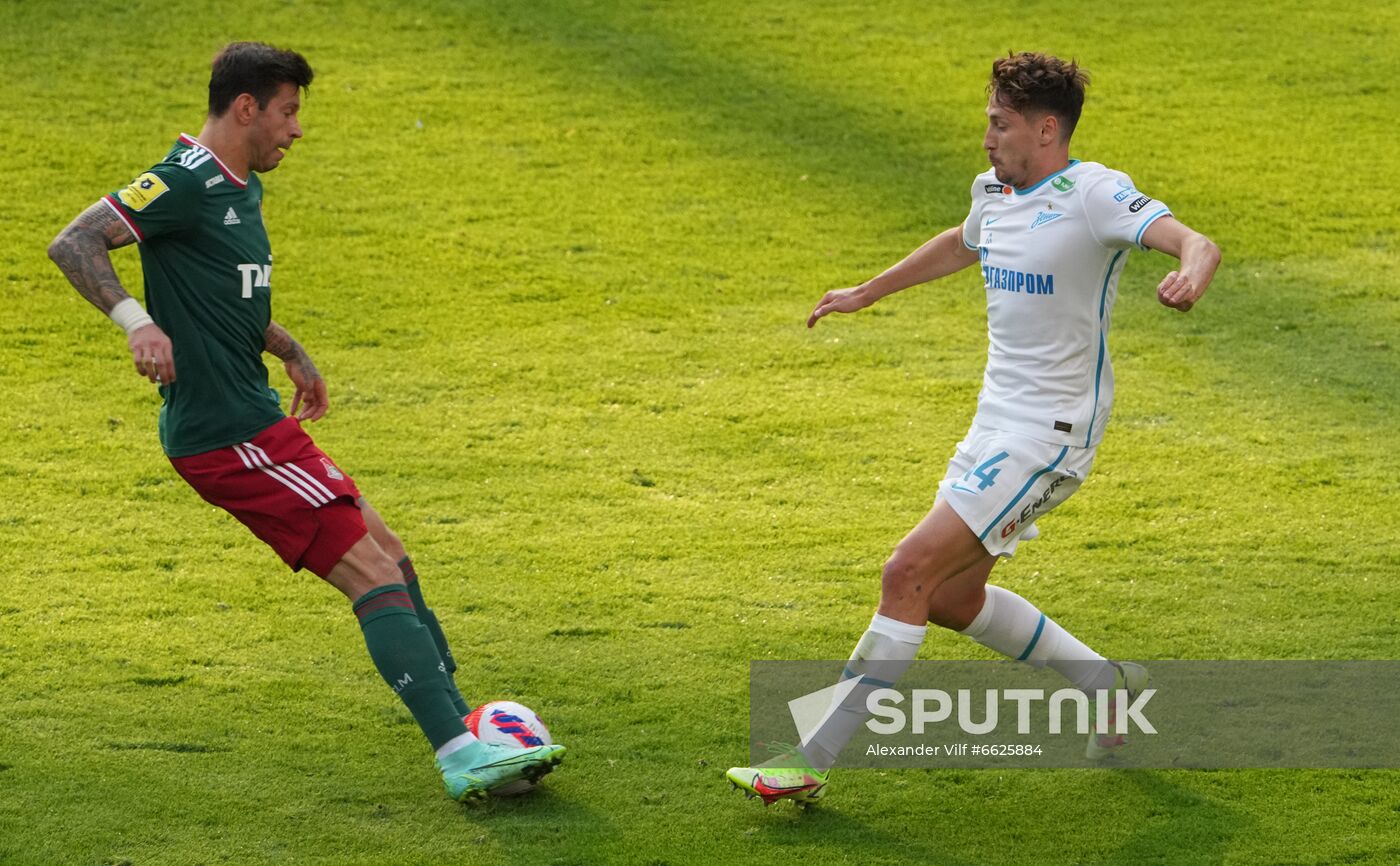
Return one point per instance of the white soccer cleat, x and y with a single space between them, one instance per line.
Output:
1127 676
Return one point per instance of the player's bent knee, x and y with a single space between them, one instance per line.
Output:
385 537
952 613
905 575
364 567
354 580
392 544
381 570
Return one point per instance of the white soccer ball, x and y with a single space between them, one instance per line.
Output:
508 723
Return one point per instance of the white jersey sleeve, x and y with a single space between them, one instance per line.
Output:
971 227
1117 213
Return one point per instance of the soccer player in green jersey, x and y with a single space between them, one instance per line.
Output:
197 216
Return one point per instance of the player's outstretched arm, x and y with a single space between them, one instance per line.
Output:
939 257
311 396
80 251
1199 256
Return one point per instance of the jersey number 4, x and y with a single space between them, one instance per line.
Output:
255 276
986 475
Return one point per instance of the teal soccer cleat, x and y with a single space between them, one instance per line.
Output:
470 773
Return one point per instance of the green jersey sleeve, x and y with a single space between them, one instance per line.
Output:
161 201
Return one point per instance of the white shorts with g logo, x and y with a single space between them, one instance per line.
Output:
1000 483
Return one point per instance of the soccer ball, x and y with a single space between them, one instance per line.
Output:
508 723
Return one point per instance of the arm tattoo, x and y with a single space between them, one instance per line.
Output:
277 341
80 250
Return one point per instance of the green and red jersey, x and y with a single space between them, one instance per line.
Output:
208 267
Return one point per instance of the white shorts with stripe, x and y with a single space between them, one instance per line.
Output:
1000 483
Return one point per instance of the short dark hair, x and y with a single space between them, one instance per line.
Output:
255 68
1039 82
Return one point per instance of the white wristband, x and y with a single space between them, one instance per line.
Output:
130 315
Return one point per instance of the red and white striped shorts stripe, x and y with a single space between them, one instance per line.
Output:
284 489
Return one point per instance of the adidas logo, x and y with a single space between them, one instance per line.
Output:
231 218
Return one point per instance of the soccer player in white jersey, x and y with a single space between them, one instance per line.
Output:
1051 235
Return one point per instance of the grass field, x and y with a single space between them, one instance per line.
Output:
554 259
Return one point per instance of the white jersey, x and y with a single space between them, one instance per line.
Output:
1051 256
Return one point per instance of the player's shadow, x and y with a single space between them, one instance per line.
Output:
541 801
1283 343
896 157
1179 825
1153 818
505 816
846 838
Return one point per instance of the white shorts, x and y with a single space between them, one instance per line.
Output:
1000 483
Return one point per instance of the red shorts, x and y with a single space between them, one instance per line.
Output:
286 490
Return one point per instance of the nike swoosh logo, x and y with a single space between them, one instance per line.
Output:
991 220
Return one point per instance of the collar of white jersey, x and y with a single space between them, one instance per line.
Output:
234 179
1043 181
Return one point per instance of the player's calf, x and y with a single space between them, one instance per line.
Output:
957 601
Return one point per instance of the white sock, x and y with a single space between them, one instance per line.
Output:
461 741
1014 627
880 659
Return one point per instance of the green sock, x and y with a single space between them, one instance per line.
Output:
430 622
403 652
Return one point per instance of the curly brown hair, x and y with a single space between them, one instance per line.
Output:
1041 83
